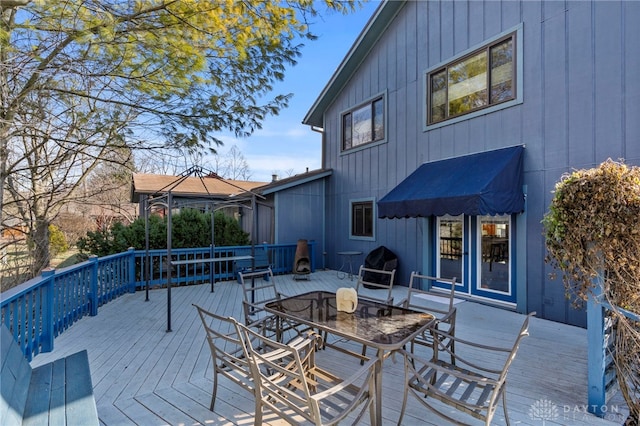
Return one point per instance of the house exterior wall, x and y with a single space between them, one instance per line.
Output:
580 106
300 215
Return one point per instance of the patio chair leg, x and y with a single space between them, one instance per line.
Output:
257 420
406 393
372 412
214 390
364 354
504 406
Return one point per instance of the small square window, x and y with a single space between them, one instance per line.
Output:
362 219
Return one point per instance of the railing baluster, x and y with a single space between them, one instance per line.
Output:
39 310
93 287
601 372
596 365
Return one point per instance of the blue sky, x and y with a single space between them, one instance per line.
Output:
285 145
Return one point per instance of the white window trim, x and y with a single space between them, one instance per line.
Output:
478 282
518 30
460 279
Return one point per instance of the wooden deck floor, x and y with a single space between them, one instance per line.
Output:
147 376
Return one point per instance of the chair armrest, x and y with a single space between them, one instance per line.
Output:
366 368
403 303
420 364
449 317
257 307
280 295
303 344
443 342
440 335
305 337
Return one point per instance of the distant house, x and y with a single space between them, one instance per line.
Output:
447 125
205 193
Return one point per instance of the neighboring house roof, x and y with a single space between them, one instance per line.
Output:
189 186
378 23
292 181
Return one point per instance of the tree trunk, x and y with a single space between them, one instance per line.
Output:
39 246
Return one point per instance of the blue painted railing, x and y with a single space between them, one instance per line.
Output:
601 374
41 309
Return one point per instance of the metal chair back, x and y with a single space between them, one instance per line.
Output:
227 352
472 383
423 296
292 386
376 284
258 289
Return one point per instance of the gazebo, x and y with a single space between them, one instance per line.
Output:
194 188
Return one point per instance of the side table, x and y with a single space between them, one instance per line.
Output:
347 259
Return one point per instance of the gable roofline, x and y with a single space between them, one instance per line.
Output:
377 24
293 181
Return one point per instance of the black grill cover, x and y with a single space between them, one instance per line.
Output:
379 258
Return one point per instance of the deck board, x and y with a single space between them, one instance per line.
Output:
144 375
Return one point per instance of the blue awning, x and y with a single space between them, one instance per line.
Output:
486 183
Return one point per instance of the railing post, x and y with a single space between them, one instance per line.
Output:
596 351
132 269
93 286
48 314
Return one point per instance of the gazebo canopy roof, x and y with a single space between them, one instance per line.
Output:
189 186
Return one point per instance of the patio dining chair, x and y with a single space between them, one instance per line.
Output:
473 385
301 390
258 289
228 354
380 282
423 296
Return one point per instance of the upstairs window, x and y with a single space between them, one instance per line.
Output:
478 80
364 124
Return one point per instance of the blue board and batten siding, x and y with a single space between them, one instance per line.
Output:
300 215
580 106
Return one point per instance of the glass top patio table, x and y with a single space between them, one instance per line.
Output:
381 326
374 324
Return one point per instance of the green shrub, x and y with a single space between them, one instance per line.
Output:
57 241
191 228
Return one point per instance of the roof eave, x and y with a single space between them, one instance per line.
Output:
374 29
296 181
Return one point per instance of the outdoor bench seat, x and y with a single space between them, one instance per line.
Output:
260 262
57 393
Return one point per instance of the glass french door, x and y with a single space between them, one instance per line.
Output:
477 251
494 258
451 251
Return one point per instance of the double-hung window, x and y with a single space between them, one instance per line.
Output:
363 124
478 80
362 219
